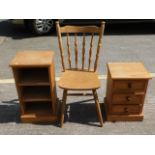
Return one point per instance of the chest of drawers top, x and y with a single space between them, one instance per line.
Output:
127 71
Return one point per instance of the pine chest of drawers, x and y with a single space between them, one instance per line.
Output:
126 89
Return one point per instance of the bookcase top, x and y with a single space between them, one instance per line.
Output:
32 58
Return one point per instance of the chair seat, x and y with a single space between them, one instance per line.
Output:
79 80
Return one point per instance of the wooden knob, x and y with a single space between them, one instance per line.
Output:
128 98
129 85
126 110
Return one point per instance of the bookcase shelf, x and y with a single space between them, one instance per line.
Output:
33 76
35 82
37 93
39 109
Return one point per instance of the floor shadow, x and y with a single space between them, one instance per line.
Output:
83 113
10 111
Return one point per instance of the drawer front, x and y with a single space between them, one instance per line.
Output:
129 85
126 109
127 99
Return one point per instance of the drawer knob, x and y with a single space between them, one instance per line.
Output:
129 85
126 110
128 98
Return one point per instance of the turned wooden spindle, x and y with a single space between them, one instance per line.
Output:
69 51
76 51
90 51
83 51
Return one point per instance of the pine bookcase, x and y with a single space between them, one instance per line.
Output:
34 76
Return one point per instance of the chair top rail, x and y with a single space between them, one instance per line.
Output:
79 29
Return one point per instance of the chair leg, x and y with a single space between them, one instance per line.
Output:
63 107
98 107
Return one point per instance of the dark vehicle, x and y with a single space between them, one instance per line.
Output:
44 26
36 26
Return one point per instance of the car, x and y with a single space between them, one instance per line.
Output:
36 26
44 26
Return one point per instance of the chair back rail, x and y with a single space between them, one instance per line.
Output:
75 30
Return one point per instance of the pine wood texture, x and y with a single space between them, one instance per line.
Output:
90 30
76 51
69 51
83 51
79 80
126 89
64 98
80 77
79 29
90 51
130 70
98 107
32 58
35 82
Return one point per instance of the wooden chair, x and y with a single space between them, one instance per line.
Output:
79 78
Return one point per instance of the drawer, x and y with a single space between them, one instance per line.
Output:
129 85
127 99
126 109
